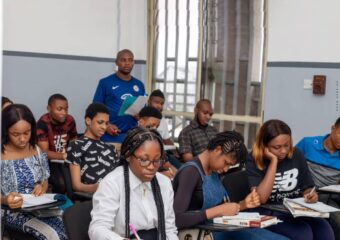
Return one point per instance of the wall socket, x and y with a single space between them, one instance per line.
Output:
308 84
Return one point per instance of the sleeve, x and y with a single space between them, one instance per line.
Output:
99 95
73 129
164 129
184 141
43 164
301 145
170 226
188 179
105 207
305 178
42 131
255 175
74 153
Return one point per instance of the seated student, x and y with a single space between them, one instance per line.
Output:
278 170
5 102
157 101
194 138
91 158
150 117
24 169
54 131
199 192
323 157
135 193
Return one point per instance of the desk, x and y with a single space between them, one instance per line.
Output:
275 207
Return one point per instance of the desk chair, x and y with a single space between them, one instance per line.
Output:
74 196
236 184
77 220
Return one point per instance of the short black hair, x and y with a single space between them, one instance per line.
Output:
150 112
5 100
157 93
121 52
94 108
337 122
13 114
56 96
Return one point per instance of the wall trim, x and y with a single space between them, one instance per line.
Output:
63 56
304 64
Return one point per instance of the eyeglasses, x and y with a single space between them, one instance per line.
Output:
146 163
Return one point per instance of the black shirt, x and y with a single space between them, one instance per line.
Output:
95 158
188 199
291 178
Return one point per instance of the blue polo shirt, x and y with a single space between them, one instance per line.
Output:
112 92
324 166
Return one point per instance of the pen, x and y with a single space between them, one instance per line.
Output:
311 191
133 230
226 197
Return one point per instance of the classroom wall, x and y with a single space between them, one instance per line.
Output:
303 41
67 46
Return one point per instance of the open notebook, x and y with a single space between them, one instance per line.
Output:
30 200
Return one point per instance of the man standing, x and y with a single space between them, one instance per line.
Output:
112 91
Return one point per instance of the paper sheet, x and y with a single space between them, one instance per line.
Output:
169 147
245 215
318 206
331 188
30 200
132 105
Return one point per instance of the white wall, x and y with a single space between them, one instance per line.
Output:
307 32
77 27
304 30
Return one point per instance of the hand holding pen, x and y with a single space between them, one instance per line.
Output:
310 195
133 230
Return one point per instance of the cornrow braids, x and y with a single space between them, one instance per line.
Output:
230 142
134 139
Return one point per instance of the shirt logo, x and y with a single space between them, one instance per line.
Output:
114 87
286 182
136 88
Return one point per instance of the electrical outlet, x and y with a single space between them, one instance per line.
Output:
307 84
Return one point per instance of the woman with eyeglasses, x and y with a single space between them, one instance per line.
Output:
135 193
200 195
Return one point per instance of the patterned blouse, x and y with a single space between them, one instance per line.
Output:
21 175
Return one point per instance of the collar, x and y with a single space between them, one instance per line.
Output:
135 182
194 124
318 142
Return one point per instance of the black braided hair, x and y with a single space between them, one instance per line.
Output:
230 142
133 140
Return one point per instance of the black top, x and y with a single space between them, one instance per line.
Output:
188 200
292 177
95 158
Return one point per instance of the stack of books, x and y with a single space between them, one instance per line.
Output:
246 219
299 208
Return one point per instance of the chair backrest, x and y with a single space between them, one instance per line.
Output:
68 181
236 184
77 220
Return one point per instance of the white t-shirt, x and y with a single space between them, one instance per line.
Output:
163 129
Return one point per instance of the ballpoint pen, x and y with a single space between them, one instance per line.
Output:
311 191
226 197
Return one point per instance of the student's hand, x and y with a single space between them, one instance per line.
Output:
252 200
269 155
112 130
14 200
310 198
38 190
223 170
230 209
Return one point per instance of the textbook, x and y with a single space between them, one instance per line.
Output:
30 200
299 208
256 220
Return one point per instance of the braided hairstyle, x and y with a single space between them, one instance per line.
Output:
134 139
231 142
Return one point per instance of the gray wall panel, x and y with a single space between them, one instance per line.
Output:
307 114
31 80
